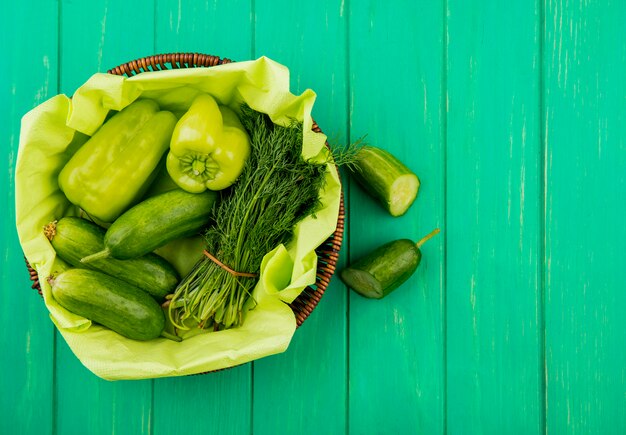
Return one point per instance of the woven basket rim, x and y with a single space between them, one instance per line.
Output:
327 252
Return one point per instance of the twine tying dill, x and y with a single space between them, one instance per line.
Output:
228 269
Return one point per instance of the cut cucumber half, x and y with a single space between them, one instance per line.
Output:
403 192
386 179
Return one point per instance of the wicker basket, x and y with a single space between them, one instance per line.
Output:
327 253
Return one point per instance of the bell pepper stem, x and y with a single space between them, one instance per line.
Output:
105 253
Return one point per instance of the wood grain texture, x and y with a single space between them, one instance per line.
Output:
304 390
396 361
93 38
215 402
585 110
99 35
210 27
513 117
28 77
88 404
494 355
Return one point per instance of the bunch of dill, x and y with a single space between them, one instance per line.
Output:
276 189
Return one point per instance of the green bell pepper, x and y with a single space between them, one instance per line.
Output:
116 165
209 147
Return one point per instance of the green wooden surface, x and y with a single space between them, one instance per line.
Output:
585 274
513 115
26 333
396 345
494 346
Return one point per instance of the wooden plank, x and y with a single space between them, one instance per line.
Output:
308 382
213 403
585 109
219 28
494 358
28 77
88 404
396 345
96 36
222 400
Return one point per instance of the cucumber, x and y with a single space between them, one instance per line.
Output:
154 222
74 238
109 301
386 178
384 269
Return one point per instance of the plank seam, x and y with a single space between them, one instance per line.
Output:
348 233
253 56
542 219
253 28
444 281
152 388
155 25
251 398
55 392
152 412
54 382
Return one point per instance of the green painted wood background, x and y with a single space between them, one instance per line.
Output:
513 114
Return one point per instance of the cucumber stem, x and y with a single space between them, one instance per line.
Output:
105 253
427 237
51 279
169 336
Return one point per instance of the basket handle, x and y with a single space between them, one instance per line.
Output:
159 62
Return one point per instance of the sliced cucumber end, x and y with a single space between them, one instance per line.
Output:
402 194
362 282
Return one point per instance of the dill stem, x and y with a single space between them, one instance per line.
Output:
244 224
